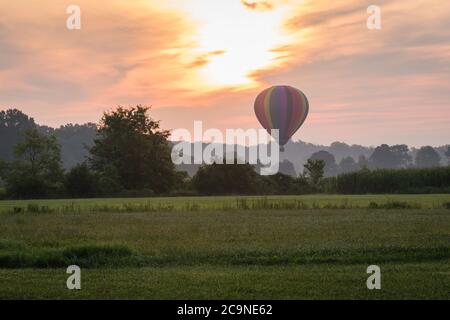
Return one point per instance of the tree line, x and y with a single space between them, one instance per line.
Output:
410 180
130 155
383 157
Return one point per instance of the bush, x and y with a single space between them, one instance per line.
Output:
221 179
136 193
2 193
393 205
80 182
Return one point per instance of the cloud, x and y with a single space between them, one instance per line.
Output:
257 5
204 59
120 54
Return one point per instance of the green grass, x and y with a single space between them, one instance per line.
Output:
432 201
399 281
223 247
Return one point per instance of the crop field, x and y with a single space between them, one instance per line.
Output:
296 247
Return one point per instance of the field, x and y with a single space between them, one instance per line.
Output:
303 247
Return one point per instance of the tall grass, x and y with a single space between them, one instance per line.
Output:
383 181
241 204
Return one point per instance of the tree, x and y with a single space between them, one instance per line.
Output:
80 182
363 163
447 153
218 179
75 141
287 168
282 184
131 146
401 152
390 157
314 170
382 157
347 164
36 170
329 160
427 157
2 172
13 123
340 150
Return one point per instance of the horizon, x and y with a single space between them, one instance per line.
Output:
193 60
293 140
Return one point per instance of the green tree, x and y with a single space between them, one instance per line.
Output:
13 123
331 168
36 170
80 182
131 146
217 179
2 175
281 183
314 170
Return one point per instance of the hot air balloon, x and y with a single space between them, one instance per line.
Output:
284 108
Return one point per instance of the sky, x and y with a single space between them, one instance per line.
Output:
208 59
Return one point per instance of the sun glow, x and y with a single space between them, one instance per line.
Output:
235 38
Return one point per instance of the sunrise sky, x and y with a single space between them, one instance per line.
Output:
208 59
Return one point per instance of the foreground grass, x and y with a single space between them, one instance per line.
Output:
231 254
399 281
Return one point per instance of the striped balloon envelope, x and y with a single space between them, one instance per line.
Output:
284 108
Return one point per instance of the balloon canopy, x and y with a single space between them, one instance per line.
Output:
284 108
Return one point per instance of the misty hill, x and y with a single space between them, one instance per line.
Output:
339 157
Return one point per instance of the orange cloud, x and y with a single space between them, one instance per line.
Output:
257 5
205 58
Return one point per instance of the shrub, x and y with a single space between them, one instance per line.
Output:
80 182
393 205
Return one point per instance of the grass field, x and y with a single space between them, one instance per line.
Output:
305 247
